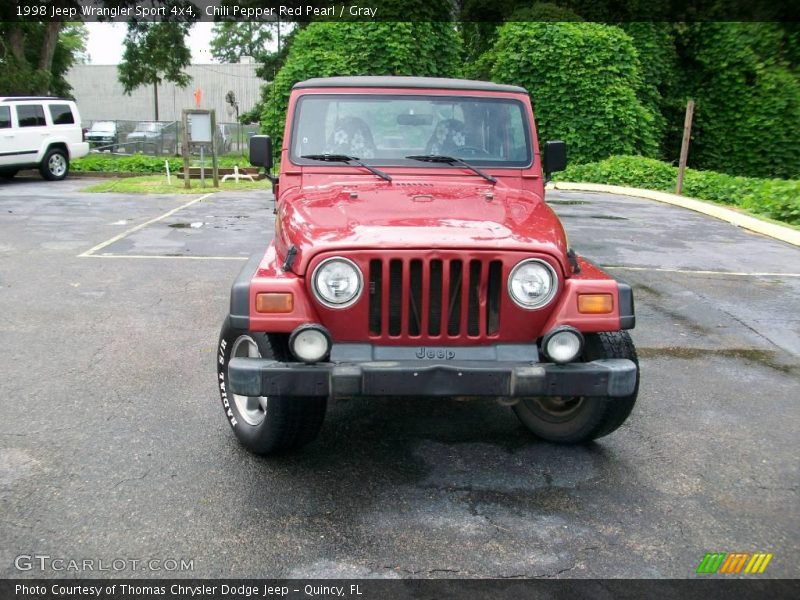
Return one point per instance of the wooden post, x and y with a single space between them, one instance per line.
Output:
185 147
687 134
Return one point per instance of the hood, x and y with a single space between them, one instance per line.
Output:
411 214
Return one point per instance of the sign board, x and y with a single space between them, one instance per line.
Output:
200 128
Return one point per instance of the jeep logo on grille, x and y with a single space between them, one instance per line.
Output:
440 353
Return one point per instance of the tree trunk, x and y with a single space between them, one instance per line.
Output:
16 41
52 29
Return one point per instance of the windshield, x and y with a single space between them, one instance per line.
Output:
385 129
148 127
103 127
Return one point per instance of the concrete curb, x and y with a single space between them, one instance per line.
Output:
778 232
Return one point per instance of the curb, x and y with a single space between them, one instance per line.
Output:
777 232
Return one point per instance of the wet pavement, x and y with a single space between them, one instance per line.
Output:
113 444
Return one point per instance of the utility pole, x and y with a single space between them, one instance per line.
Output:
155 97
687 134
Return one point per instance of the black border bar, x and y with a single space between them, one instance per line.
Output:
490 11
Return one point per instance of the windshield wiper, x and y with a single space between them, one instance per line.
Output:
344 158
438 158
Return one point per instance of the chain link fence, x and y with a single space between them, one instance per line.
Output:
161 138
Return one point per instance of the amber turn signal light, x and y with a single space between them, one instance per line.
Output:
595 304
274 302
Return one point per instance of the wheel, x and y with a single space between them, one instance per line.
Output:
265 425
580 419
9 174
55 165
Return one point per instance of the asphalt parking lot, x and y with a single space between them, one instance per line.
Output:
113 443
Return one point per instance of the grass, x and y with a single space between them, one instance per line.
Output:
157 184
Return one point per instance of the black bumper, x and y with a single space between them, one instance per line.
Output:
260 377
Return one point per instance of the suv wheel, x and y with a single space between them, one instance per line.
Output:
265 425
580 419
55 165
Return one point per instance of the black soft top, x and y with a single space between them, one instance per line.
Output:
436 83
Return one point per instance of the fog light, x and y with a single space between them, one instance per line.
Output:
273 302
310 343
595 304
563 345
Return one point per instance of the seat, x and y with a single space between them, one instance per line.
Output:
351 136
447 138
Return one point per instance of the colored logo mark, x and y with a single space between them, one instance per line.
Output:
733 563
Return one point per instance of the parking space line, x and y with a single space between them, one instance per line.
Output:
165 257
700 271
126 233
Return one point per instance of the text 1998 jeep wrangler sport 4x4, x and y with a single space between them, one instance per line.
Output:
414 255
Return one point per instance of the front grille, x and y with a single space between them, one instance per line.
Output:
418 297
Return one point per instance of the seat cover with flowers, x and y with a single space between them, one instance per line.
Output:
447 138
351 136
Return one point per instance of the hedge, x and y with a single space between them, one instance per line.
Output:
774 198
143 163
747 117
583 79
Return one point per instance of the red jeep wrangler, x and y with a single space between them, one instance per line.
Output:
414 255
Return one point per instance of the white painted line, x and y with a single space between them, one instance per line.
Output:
126 233
163 257
773 230
700 272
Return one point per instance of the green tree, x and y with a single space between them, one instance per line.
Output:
35 57
583 80
325 49
155 52
233 39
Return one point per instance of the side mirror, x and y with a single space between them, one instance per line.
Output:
261 151
555 157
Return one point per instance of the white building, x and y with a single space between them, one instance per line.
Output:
99 93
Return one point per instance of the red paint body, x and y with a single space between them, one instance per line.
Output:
426 213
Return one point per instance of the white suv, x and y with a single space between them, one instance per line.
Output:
43 133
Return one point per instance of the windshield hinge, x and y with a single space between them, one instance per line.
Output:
290 256
573 261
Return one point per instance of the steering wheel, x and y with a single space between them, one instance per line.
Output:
473 151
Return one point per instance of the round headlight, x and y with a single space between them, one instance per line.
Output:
532 283
337 282
563 345
310 343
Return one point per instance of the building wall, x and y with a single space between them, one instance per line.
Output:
99 93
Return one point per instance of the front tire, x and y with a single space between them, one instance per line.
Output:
265 425
581 419
55 165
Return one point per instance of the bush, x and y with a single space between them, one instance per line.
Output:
326 49
748 99
583 79
143 163
775 198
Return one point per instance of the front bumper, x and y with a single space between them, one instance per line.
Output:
261 377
